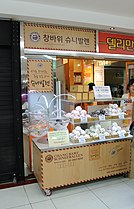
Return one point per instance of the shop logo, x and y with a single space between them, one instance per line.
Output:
49 158
116 150
34 36
40 65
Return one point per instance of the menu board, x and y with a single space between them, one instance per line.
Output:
102 92
40 78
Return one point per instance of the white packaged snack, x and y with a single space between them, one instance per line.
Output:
78 108
78 128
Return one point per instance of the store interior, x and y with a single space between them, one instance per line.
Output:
101 72
69 71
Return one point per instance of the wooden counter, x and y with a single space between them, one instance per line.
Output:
57 167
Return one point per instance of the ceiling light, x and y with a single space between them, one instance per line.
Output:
112 28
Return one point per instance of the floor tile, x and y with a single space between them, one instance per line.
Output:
116 196
43 205
13 197
83 200
103 182
35 193
23 207
130 182
109 193
65 191
125 179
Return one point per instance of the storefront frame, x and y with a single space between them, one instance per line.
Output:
72 54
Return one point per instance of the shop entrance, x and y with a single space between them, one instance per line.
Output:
70 71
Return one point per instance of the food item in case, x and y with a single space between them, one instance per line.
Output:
77 114
107 135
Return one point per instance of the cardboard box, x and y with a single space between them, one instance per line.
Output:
78 96
84 96
91 95
85 88
76 88
77 78
69 97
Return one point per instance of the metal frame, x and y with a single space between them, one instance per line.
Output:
16 74
86 55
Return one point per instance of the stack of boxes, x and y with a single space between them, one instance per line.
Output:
81 92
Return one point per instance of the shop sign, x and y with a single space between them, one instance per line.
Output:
51 37
40 78
81 163
58 138
113 43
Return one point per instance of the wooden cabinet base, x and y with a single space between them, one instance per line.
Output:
131 174
60 167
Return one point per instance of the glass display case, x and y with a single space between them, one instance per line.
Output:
100 146
104 120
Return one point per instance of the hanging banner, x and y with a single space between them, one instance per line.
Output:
113 43
40 78
99 75
50 37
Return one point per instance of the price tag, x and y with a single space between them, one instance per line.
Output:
101 117
58 138
83 119
121 135
82 140
102 137
121 115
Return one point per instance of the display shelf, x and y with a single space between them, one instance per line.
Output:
73 72
114 99
97 121
78 73
45 147
103 121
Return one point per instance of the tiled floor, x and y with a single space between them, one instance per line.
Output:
111 193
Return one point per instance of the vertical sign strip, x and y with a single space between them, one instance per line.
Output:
40 77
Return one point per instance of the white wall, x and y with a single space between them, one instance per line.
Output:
58 15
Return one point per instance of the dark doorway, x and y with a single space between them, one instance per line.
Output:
11 147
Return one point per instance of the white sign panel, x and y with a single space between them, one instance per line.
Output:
58 138
99 75
102 92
